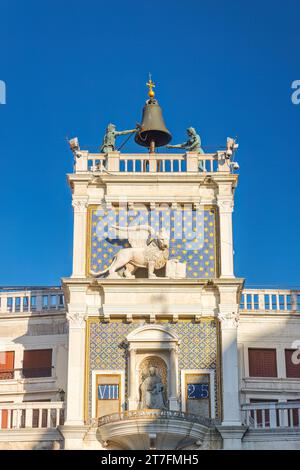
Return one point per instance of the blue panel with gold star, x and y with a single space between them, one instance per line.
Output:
192 236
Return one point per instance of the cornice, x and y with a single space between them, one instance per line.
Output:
209 283
152 178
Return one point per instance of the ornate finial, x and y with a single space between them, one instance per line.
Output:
150 85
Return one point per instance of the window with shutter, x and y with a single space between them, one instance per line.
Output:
291 359
262 362
37 363
7 364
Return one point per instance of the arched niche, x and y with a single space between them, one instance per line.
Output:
157 363
144 344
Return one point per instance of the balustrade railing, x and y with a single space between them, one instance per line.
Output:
26 373
40 300
271 415
270 300
31 300
152 414
31 415
116 162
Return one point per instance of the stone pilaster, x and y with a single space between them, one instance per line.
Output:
231 430
79 238
225 204
173 400
76 368
132 400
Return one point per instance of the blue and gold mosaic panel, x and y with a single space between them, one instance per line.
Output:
107 347
192 236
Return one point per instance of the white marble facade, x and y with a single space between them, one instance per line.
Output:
185 322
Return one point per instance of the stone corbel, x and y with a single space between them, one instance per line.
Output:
198 317
108 205
105 317
152 318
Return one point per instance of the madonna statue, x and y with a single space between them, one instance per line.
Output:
152 392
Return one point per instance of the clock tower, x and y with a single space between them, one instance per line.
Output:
153 302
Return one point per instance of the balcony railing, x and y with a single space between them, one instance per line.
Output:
270 301
271 415
31 415
31 300
152 414
146 163
27 373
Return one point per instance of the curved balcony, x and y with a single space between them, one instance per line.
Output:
152 429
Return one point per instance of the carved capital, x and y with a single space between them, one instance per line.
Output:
175 349
229 318
80 205
76 319
226 205
132 351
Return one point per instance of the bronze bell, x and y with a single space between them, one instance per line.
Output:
153 132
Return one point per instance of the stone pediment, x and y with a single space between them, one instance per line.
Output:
153 334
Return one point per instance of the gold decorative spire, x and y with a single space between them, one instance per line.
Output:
150 85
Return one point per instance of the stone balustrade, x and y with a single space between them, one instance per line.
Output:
270 301
115 162
271 415
152 414
31 415
17 300
31 300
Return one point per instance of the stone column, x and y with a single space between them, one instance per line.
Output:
132 401
225 203
173 377
79 236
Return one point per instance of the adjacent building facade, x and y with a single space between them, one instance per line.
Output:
152 342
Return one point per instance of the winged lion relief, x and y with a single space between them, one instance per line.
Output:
149 249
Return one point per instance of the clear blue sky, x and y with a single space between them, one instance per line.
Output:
223 66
